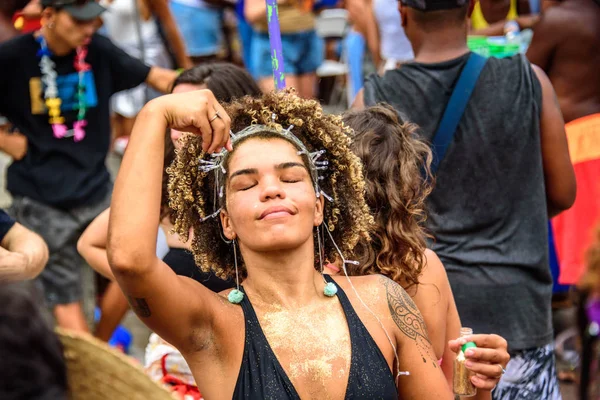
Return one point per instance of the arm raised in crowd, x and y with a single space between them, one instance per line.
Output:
559 176
23 254
161 79
92 245
363 18
160 8
153 289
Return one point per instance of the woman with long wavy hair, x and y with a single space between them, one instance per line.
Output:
397 182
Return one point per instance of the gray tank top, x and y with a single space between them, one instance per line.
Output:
488 209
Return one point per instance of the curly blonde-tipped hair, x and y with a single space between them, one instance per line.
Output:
398 180
192 192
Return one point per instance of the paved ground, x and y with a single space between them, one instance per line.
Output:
569 391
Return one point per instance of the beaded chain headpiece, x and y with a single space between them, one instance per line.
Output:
217 161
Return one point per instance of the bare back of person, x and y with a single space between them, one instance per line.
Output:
566 45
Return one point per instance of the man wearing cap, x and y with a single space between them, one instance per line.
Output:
56 86
502 167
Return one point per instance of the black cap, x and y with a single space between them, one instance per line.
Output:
434 5
82 10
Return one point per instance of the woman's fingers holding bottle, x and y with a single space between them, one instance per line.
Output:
488 360
491 356
485 369
486 346
456 344
488 341
482 382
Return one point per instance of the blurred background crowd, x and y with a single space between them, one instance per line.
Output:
330 49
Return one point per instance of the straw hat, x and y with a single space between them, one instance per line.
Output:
97 372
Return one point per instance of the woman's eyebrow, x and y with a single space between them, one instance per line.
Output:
247 171
288 165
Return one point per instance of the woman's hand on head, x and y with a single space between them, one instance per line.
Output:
200 113
488 360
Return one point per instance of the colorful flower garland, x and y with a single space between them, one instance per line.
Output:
53 102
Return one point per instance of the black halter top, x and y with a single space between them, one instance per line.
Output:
262 376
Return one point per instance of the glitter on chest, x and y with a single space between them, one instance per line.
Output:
311 343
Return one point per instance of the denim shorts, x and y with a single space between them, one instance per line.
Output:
302 53
60 229
201 28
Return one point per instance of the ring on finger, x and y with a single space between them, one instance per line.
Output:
215 117
502 370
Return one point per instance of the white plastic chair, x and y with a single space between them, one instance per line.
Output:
333 24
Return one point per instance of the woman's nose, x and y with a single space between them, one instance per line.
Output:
272 189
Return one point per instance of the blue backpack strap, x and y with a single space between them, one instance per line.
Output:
455 108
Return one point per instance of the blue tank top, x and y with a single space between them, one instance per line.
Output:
262 376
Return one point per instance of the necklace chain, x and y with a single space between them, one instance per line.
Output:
51 94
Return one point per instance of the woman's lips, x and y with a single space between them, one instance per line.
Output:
275 212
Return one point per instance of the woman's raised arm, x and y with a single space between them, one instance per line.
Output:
154 291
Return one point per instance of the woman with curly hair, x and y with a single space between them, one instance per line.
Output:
398 180
259 208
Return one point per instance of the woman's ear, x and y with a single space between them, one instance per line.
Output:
319 210
228 231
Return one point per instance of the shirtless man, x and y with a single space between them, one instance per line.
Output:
565 44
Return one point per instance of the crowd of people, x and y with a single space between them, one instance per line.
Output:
276 249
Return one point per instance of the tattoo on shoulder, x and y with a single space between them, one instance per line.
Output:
140 306
408 318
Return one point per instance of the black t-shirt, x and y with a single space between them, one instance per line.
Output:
487 211
61 172
6 222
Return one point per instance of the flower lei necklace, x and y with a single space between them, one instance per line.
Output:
52 100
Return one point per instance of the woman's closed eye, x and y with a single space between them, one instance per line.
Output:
291 180
293 176
242 185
